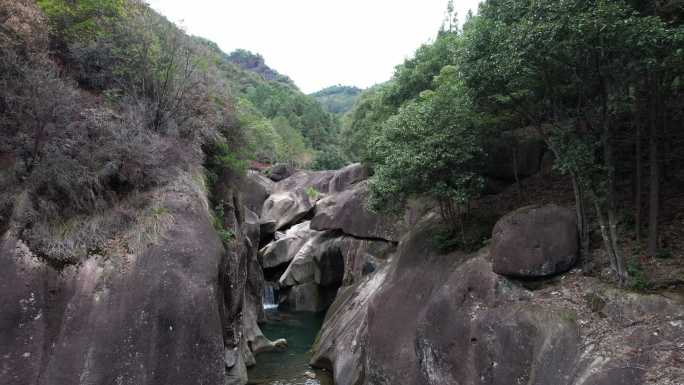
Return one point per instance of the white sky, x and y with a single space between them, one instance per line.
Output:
318 43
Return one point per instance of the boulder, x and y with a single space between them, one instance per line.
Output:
347 211
255 190
535 241
305 180
331 260
284 249
286 208
303 267
281 171
344 178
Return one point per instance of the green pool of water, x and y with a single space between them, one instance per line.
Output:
290 367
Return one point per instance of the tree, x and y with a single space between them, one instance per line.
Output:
567 69
431 147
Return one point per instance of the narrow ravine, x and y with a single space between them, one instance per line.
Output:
290 367
304 263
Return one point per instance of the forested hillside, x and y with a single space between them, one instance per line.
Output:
599 83
337 99
306 135
153 100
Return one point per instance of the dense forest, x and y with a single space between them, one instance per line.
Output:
337 99
600 83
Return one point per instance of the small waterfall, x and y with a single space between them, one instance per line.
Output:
270 297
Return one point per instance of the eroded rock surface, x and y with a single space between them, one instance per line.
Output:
347 211
427 318
255 189
286 208
284 249
535 242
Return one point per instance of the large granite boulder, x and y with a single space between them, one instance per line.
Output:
346 177
324 182
306 180
255 190
333 260
281 171
303 267
535 241
284 249
283 209
347 211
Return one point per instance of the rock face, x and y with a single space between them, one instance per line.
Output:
327 261
134 319
535 242
255 189
347 177
284 249
349 243
346 211
426 318
286 208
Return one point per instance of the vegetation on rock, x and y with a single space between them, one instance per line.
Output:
600 82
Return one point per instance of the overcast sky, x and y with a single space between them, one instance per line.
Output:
318 43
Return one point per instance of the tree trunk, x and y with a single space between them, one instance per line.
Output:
654 188
609 243
637 186
515 169
582 223
611 205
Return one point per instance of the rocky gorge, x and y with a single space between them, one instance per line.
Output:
517 311
187 308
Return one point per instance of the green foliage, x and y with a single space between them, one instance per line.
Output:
256 63
312 193
432 147
337 99
291 147
227 235
221 158
638 279
417 74
472 234
364 122
82 20
330 157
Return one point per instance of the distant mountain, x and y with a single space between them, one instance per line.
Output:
337 99
255 63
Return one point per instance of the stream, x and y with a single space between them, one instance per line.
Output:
290 367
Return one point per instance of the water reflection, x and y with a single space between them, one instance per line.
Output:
290 367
